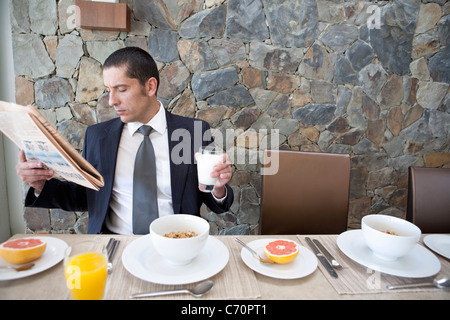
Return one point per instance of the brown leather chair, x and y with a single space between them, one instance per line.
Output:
429 199
307 195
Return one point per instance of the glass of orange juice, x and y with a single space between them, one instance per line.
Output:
85 268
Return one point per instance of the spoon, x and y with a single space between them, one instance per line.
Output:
439 282
198 291
18 269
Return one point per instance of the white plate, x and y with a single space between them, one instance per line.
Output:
439 243
302 266
54 253
419 263
142 261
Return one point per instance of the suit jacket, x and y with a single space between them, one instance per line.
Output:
101 145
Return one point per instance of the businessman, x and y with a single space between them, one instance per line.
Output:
132 79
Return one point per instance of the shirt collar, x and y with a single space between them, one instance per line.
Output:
158 122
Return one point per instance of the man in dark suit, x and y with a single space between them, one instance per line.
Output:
132 79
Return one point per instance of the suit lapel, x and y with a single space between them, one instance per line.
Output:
109 143
178 172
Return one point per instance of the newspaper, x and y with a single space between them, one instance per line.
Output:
40 140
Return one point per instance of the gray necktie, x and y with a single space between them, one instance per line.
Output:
145 202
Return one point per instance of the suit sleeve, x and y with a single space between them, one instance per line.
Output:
59 194
208 199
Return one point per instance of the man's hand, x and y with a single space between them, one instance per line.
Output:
33 173
223 172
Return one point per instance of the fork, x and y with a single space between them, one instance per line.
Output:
253 252
111 249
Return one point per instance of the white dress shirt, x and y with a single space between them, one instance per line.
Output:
120 218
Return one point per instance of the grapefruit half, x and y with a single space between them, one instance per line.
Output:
281 251
21 251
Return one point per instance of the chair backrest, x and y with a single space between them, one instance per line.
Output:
429 199
307 195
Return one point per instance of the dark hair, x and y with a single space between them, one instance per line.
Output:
140 64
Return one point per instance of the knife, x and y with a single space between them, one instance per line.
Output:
322 259
330 258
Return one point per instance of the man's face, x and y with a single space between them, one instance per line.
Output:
131 100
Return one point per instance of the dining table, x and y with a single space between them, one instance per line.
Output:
237 279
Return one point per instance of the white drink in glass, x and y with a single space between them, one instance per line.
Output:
207 158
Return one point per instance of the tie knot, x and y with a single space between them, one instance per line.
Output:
145 130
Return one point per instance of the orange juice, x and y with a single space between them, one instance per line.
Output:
86 276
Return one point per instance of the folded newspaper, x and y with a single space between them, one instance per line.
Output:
40 140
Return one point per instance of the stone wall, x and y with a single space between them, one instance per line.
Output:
367 78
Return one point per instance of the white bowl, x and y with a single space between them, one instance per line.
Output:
179 251
387 246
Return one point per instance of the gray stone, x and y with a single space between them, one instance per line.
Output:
274 58
365 146
236 97
245 118
292 23
43 17
66 13
429 15
390 50
207 24
394 148
373 78
318 63
249 213
431 94
173 80
53 93
104 111
439 66
84 114
74 132
228 51
68 54
360 54
162 45
280 107
207 83
323 92
30 57
62 220
325 140
439 123
196 55
246 20
393 42
444 30
425 45
315 114
344 72
81 226
402 163
339 37
20 23
100 50
287 126
37 219
419 131
154 12
241 229
90 81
